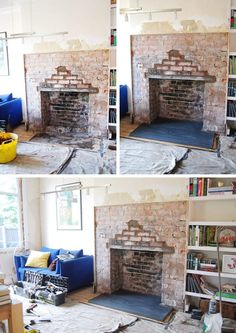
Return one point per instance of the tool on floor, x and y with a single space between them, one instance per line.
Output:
30 310
40 321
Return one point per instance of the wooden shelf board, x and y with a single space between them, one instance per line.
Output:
112 106
212 248
114 6
214 223
188 293
230 98
113 87
232 76
112 124
215 274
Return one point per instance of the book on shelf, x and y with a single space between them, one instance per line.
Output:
113 37
198 187
232 65
112 77
200 235
112 97
112 116
196 284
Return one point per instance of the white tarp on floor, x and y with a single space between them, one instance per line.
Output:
138 157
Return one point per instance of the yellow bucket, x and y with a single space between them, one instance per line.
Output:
8 147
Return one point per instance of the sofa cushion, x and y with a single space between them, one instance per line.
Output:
38 259
53 253
76 254
6 98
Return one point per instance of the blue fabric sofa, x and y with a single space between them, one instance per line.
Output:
79 270
11 110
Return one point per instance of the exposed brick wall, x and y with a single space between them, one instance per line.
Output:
205 54
165 222
69 110
89 68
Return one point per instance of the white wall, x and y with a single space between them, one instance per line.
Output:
87 24
67 239
197 16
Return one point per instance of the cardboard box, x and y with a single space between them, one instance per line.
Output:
228 309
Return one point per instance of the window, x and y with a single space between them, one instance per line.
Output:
9 213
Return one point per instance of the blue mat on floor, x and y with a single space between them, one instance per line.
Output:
181 132
147 306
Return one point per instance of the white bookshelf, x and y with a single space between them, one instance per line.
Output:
218 210
112 107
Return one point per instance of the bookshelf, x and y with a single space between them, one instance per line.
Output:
211 213
231 94
112 103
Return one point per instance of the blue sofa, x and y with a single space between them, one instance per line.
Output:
79 270
11 110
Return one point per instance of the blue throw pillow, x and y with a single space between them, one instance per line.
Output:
53 255
23 260
76 254
6 98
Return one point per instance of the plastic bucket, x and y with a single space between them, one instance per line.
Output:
8 147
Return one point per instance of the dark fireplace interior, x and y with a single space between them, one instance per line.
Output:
68 110
177 99
138 271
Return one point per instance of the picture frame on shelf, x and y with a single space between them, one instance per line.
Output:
229 263
4 62
69 208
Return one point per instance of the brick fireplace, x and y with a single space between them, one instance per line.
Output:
65 102
141 248
180 76
76 80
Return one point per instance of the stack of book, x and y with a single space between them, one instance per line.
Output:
112 116
4 295
220 190
202 235
198 187
197 284
112 97
194 262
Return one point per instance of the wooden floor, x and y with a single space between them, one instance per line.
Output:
126 127
23 135
83 295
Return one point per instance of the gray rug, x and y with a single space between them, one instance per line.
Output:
35 158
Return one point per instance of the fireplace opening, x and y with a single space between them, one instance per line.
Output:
67 110
138 271
176 99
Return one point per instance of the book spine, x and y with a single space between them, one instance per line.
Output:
200 187
191 187
195 187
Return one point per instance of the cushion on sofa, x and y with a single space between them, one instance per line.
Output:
6 98
76 254
53 253
38 259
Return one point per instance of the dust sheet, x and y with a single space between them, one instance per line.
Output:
35 158
139 157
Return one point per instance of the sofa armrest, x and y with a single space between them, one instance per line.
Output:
79 271
20 262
